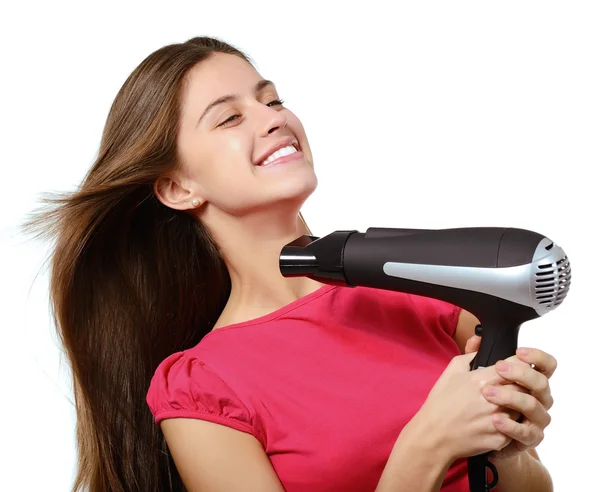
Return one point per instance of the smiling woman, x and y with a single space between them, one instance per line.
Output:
198 366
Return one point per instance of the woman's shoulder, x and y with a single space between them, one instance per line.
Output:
184 385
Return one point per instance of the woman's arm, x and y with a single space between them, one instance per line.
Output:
214 458
523 473
416 463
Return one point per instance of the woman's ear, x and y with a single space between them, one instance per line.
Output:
174 195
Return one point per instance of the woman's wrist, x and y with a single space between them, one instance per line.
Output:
522 472
418 462
429 439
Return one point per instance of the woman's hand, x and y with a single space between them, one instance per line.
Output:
526 391
455 421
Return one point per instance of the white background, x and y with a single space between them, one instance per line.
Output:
420 115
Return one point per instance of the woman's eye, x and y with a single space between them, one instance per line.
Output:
229 120
275 102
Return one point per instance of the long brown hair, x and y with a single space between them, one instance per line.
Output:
132 281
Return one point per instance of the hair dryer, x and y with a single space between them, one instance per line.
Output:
503 276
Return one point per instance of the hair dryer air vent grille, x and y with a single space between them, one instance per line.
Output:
552 282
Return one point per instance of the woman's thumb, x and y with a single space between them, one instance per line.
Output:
460 363
472 344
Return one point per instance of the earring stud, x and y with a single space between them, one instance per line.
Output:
195 203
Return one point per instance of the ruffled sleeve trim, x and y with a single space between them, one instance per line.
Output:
185 387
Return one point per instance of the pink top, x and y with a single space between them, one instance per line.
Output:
325 383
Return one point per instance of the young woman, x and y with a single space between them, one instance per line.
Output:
197 366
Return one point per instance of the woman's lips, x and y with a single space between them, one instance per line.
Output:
298 155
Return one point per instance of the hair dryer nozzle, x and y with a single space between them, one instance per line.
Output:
318 258
295 260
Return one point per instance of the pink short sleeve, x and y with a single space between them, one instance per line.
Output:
183 386
434 314
448 316
438 313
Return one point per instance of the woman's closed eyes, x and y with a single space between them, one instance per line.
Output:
232 118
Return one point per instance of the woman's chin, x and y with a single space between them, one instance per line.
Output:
298 189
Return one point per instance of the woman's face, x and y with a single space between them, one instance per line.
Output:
231 121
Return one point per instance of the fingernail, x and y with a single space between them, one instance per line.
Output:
498 420
489 391
503 366
522 351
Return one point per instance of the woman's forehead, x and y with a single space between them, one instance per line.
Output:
219 75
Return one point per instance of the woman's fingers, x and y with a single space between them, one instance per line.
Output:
523 403
524 375
543 362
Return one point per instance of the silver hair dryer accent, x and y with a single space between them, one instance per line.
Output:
504 276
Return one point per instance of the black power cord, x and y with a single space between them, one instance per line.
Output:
478 466
492 468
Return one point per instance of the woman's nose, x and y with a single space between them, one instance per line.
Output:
272 120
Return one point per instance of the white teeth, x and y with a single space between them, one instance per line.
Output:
290 149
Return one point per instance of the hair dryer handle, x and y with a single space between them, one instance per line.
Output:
499 340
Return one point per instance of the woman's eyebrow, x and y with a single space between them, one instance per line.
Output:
261 84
